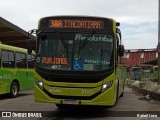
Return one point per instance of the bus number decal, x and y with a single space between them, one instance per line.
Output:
6 76
54 67
87 91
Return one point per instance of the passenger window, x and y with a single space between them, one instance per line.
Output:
21 60
8 59
31 61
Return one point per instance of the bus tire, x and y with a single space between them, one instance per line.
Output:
122 92
60 106
65 107
14 89
117 92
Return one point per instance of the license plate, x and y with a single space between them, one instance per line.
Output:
73 102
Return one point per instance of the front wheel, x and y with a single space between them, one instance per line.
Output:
14 90
121 94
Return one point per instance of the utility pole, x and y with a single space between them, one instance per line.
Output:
158 46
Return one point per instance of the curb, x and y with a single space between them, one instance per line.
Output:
150 88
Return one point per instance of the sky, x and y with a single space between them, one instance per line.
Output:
138 18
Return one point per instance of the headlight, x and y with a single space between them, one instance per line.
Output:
106 86
39 83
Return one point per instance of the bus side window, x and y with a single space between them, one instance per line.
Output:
30 61
8 59
24 60
21 60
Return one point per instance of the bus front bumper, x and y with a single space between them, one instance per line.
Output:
106 98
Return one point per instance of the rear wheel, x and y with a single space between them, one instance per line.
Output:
14 90
61 106
122 92
117 92
66 107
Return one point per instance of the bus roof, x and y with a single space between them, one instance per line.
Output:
12 48
77 16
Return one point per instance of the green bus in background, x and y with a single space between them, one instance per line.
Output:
154 73
16 70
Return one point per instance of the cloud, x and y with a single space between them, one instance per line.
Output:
138 18
142 35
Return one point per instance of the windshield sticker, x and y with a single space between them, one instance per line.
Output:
77 65
52 60
56 67
96 61
70 42
95 38
88 67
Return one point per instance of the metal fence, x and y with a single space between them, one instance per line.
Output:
143 76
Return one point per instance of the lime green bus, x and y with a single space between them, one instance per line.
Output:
154 73
78 61
17 70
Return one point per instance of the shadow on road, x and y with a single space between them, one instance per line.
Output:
7 96
83 112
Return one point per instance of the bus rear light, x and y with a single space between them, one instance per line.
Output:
106 86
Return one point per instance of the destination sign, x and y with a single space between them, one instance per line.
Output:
75 23
53 60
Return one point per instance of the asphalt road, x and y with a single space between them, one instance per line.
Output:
131 101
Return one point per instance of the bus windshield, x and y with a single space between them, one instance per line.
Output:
75 52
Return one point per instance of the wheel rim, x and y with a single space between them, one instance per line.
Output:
14 90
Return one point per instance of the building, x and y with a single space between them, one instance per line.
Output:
13 35
145 58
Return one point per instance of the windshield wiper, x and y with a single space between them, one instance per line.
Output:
85 41
61 39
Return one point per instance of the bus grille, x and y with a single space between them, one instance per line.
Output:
71 80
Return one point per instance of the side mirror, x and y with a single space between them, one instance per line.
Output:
29 48
121 50
33 31
118 31
117 23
